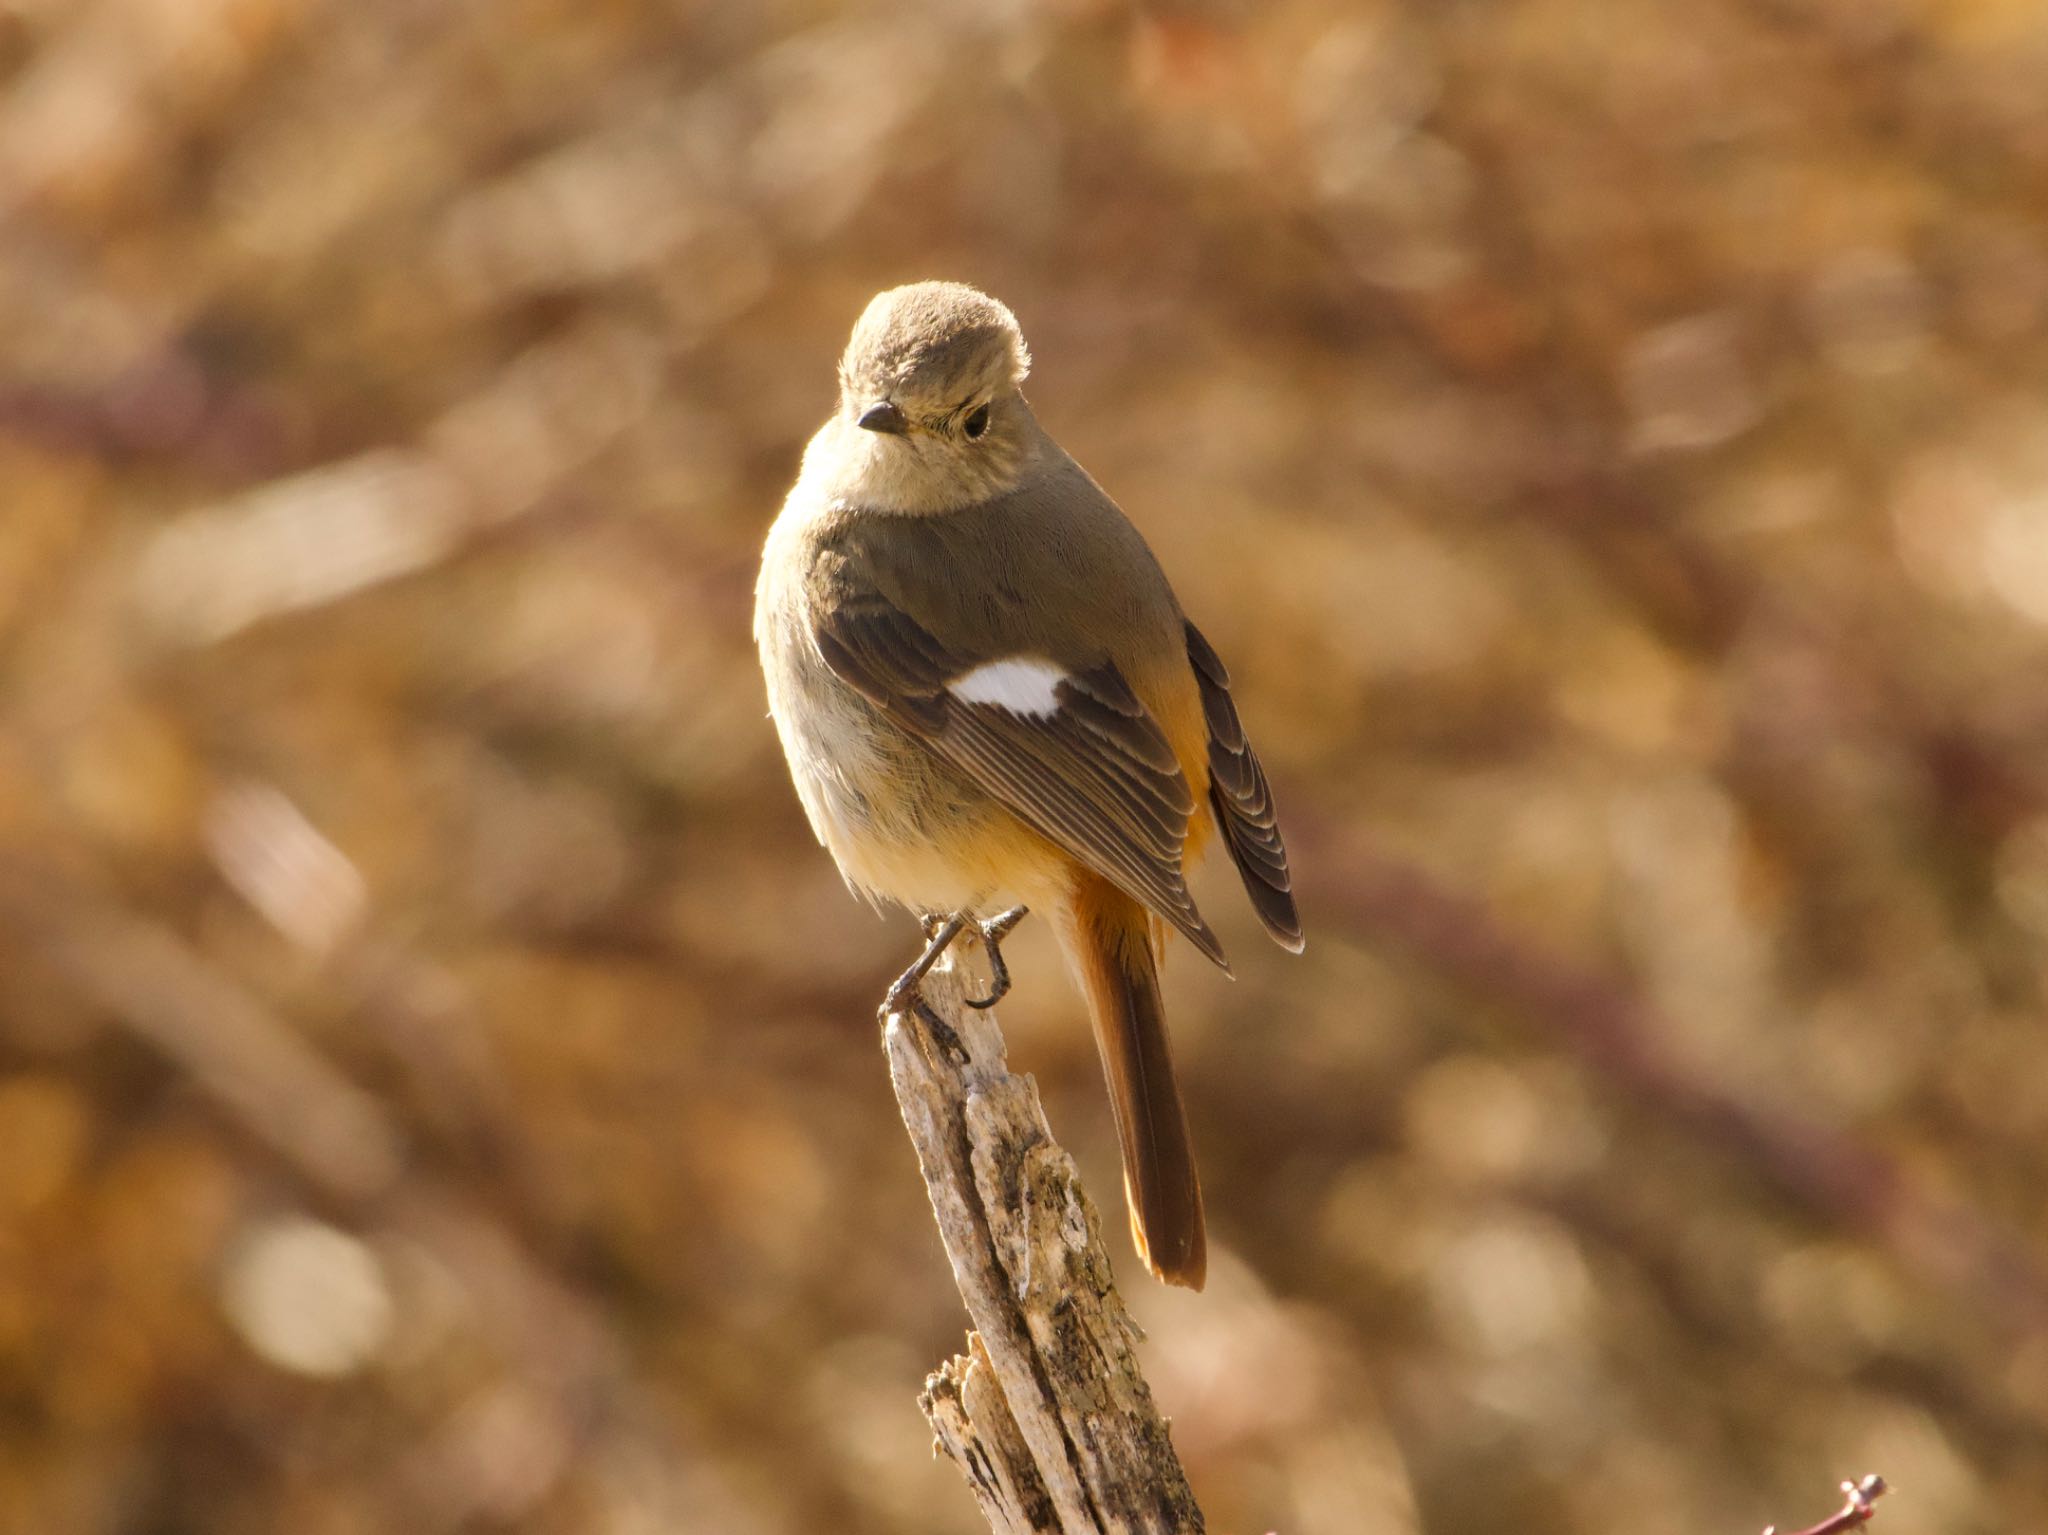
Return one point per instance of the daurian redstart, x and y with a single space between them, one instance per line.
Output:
988 695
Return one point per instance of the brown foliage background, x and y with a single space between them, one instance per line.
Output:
437 1083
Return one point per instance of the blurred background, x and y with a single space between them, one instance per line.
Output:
438 1080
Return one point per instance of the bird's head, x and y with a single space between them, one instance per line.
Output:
932 376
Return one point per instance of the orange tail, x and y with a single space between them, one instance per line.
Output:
1108 938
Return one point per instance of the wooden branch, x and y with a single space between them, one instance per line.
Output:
1046 1415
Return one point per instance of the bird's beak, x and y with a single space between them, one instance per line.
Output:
885 416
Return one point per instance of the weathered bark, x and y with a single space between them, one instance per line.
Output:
1046 1415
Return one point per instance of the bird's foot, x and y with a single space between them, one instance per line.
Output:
905 995
992 933
939 932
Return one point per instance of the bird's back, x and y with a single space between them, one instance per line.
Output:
964 572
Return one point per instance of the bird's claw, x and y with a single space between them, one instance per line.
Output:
992 933
903 993
939 932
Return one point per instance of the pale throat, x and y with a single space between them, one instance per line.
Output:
920 474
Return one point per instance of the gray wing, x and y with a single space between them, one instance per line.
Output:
1242 801
1095 775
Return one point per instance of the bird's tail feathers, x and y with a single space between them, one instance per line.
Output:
1109 940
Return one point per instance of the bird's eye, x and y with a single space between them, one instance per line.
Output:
977 421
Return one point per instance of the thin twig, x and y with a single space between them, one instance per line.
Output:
1859 1507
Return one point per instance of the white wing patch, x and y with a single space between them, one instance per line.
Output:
1021 684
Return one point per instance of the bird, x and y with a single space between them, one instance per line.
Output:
991 702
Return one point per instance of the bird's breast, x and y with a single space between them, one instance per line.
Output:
899 821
